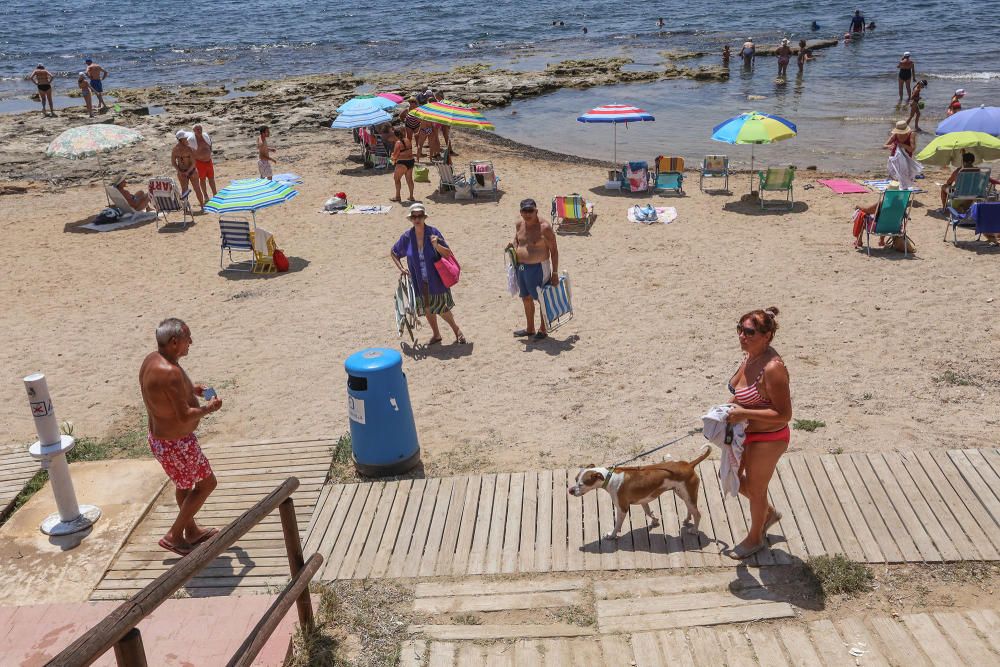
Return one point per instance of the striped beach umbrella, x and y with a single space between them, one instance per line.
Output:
754 128
447 112
362 115
362 102
250 194
614 114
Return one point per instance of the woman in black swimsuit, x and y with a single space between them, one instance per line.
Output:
402 157
42 78
906 68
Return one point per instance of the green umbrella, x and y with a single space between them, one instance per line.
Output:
948 148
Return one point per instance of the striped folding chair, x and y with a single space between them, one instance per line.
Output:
556 302
163 192
235 235
572 214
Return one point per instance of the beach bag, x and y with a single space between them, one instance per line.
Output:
280 261
421 175
449 270
898 241
108 215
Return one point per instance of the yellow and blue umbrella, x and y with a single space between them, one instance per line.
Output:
754 128
250 194
447 112
948 148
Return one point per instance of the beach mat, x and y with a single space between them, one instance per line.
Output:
362 209
664 215
881 184
842 186
291 179
126 221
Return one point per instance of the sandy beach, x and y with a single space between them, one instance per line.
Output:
888 352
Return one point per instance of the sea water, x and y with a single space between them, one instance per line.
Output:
844 104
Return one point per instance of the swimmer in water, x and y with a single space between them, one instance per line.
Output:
748 53
815 26
871 26
584 30
725 55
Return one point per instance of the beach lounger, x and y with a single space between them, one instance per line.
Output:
235 236
572 214
714 166
167 199
263 251
669 175
969 187
129 214
777 179
635 176
985 216
556 303
890 218
484 179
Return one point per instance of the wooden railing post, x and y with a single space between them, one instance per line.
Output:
293 547
129 651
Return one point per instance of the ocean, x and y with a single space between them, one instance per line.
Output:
844 104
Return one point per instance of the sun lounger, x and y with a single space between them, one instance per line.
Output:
130 216
777 179
572 214
890 218
167 199
714 166
969 187
669 175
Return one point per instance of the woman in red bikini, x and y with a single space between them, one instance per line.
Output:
761 396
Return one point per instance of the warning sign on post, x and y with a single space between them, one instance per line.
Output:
356 409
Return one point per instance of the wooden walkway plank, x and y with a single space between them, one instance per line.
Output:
949 517
714 516
498 522
404 535
666 544
481 532
615 650
736 648
974 518
509 558
962 633
816 506
487 632
882 506
477 602
592 536
987 622
471 655
931 640
585 652
854 632
442 654
834 509
608 609
898 645
766 647
633 548
920 503
711 549
705 647
914 526
449 539
810 536
788 527
674 645
646 649
830 646
442 510
481 586
557 653
560 522
574 531
609 549
500 655
362 530
544 523
333 530
412 653
421 529
680 619
798 646
390 534
987 462
528 652
470 512
691 542
529 516
874 538
979 479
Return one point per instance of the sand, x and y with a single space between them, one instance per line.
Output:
888 352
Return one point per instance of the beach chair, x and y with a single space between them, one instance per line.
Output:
235 236
635 176
406 307
449 179
263 251
484 179
166 199
669 175
118 200
714 166
890 218
777 179
556 303
969 187
572 214
985 216
379 155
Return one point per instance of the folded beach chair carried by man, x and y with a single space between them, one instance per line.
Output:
167 199
984 216
572 214
777 179
890 218
969 187
714 166
556 302
484 179
235 237
635 176
669 175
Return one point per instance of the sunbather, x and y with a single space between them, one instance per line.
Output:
138 201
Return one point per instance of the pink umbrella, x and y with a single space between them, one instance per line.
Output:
392 97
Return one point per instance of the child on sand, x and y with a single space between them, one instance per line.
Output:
956 102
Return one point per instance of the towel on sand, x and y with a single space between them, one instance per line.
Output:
664 214
843 186
291 179
360 209
125 221
881 184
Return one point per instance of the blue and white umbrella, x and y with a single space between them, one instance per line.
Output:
616 113
363 101
250 194
362 115
983 119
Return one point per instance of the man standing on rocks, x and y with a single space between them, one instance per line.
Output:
203 160
97 75
174 413
182 157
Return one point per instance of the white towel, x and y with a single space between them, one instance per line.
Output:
714 429
260 238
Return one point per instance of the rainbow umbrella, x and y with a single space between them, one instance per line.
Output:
447 112
616 113
948 148
250 194
754 128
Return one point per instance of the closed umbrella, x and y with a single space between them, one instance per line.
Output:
754 128
948 148
984 119
365 101
614 114
250 194
85 141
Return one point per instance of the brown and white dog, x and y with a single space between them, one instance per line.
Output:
641 485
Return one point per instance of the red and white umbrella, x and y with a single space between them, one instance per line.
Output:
616 113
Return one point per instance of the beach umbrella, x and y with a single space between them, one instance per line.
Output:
85 141
362 102
250 194
392 97
754 128
614 114
453 114
948 148
364 115
983 119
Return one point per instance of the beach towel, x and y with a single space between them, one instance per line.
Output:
842 186
904 169
292 179
126 221
358 209
664 214
880 185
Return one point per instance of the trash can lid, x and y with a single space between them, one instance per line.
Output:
373 359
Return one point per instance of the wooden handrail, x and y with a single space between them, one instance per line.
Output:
119 622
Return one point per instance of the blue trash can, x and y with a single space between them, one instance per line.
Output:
383 434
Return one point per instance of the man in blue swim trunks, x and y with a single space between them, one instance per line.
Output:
537 263
97 74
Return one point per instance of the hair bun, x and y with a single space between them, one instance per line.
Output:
772 311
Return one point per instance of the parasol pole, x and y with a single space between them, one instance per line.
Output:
100 170
615 159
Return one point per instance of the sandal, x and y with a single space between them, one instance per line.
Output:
774 518
169 546
541 335
207 535
434 341
521 333
460 339
739 552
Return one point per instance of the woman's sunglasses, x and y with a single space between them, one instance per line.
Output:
749 332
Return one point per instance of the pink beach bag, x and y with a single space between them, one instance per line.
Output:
449 270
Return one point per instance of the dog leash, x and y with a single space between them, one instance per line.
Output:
656 449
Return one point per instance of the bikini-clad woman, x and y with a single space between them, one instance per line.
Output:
402 157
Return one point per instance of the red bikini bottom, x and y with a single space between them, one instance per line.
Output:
767 436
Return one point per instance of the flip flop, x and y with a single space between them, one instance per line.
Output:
461 339
541 335
173 547
741 553
521 333
210 533
434 341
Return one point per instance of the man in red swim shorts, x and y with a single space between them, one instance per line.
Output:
203 160
174 413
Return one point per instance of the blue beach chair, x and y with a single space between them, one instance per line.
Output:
556 302
669 175
235 236
970 186
985 216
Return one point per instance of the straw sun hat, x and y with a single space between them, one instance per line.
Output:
901 128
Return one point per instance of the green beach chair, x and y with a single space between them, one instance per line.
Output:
890 218
970 186
777 179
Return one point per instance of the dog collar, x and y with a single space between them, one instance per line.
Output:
607 480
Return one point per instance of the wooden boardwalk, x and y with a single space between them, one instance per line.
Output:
878 508
16 468
246 473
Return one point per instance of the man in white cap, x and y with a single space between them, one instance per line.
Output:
182 157
906 69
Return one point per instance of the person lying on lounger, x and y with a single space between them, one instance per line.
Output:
138 201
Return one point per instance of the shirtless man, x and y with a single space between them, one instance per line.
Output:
535 245
182 157
97 75
203 160
264 158
748 53
42 78
174 413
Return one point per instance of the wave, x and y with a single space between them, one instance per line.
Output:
970 76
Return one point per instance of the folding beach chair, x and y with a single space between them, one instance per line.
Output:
572 214
985 216
556 302
970 186
669 175
263 251
890 218
449 179
777 179
166 200
406 307
484 179
235 236
714 166
635 176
